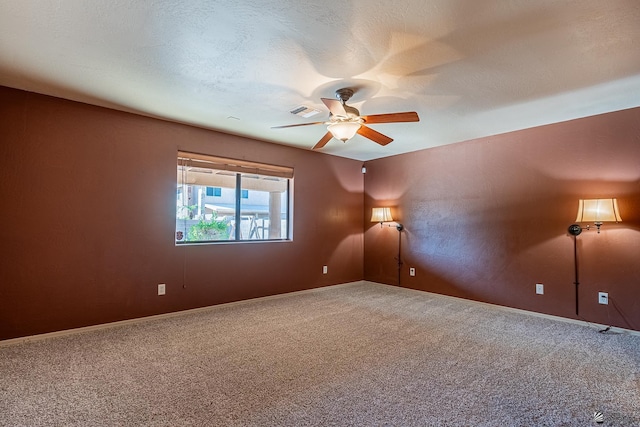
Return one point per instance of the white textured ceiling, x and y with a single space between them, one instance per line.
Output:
469 68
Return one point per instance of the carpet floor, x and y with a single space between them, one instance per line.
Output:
361 354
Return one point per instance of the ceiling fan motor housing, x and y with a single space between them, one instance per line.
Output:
344 95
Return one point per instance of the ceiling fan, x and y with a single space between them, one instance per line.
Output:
345 121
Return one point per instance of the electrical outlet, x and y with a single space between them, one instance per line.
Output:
603 297
539 289
324 269
412 271
161 289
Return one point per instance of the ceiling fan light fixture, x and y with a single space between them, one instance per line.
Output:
344 131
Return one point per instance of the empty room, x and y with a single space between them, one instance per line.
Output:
347 213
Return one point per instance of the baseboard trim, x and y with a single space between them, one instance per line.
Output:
65 332
592 325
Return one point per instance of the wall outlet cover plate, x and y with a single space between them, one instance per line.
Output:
603 297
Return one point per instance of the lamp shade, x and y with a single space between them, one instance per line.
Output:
343 130
381 215
598 210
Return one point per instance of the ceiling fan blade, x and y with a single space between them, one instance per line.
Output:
300 124
326 138
373 135
334 106
409 116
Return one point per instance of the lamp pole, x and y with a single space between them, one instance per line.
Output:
399 227
575 263
575 230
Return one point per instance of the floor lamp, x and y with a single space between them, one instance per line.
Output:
383 215
596 211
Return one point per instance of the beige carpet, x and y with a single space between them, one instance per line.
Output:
354 355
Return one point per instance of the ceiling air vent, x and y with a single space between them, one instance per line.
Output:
304 111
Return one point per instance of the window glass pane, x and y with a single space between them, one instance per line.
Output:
264 211
200 217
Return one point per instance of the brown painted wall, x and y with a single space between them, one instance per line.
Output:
487 219
88 219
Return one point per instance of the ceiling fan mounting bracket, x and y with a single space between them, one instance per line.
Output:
344 94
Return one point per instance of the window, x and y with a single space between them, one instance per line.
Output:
237 214
214 191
